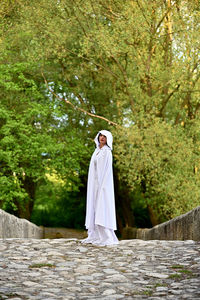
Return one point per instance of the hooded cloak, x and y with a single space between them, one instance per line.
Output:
100 189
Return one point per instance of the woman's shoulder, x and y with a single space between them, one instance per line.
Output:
106 150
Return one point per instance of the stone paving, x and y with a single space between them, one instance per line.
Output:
66 269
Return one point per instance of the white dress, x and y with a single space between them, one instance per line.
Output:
100 213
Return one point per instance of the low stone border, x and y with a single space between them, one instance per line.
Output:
183 227
13 227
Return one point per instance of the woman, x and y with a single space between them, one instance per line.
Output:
100 213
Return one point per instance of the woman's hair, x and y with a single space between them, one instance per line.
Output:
99 136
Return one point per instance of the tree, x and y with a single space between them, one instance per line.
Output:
136 63
33 143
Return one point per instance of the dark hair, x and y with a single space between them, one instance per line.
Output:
99 136
103 135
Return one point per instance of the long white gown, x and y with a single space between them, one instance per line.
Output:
100 213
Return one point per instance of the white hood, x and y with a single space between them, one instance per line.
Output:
108 136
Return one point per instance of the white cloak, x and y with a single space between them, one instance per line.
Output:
100 189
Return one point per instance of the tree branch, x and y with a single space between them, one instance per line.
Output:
96 64
142 10
70 82
124 74
167 99
78 108
78 20
162 19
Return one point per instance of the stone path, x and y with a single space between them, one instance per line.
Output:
66 269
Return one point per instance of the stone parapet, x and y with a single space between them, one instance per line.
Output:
183 227
13 227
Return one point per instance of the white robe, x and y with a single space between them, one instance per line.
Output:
100 212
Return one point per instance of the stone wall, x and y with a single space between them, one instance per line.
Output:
13 227
183 227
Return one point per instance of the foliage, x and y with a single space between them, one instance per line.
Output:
59 206
162 159
134 62
32 140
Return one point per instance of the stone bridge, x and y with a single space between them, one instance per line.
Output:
50 269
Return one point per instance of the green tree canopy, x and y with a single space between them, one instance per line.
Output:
134 62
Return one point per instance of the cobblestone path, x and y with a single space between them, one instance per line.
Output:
66 269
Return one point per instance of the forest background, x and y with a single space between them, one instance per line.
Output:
69 68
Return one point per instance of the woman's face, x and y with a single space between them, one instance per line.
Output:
102 139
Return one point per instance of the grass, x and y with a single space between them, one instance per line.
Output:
160 284
181 272
41 266
173 276
177 267
186 272
147 293
123 270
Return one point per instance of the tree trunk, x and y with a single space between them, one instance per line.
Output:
152 216
25 209
124 212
